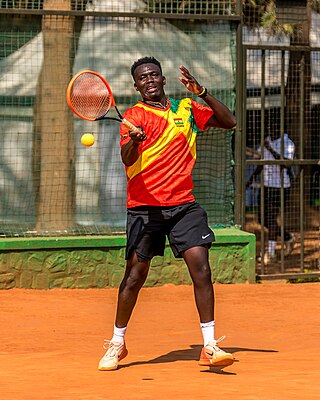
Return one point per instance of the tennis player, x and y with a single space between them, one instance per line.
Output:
159 161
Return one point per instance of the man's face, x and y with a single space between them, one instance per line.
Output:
149 81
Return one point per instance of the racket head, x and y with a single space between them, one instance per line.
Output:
89 95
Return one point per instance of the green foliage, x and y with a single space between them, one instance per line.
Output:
315 5
262 13
253 11
304 280
269 21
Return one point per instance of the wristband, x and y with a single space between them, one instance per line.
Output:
203 93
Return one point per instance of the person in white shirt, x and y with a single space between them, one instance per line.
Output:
272 190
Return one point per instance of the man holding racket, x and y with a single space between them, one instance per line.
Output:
159 160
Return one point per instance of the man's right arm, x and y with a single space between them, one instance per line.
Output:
256 172
130 151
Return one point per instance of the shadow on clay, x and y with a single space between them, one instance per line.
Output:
192 354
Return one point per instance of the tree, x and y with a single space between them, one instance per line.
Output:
53 144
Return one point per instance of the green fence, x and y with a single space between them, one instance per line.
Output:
49 183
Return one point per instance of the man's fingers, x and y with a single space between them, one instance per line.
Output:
142 136
183 68
138 136
183 80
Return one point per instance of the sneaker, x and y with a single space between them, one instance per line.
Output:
115 353
289 245
213 356
269 258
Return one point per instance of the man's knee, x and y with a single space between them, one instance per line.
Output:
202 275
136 275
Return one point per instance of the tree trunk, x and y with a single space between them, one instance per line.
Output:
53 151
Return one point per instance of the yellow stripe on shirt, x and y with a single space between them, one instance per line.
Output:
179 122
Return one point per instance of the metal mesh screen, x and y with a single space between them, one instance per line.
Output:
51 184
195 7
282 108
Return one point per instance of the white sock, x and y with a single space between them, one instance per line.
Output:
207 329
272 247
118 334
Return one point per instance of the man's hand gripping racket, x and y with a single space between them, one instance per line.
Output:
90 97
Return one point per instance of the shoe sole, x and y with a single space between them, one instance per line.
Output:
221 363
108 368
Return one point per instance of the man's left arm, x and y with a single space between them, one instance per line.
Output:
268 145
222 117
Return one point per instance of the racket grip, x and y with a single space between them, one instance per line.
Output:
130 126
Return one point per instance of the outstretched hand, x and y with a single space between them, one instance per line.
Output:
189 81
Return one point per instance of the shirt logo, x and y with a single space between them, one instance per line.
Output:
178 122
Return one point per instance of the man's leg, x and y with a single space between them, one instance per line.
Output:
289 238
197 260
272 207
134 278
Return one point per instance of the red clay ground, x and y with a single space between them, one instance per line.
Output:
51 342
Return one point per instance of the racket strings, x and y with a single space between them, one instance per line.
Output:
90 97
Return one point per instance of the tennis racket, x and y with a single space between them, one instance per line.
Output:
90 97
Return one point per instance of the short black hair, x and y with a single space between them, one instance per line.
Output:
145 60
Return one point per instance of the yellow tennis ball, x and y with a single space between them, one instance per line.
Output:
87 139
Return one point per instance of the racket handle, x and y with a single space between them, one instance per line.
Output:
130 126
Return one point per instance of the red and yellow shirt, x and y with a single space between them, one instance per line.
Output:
162 174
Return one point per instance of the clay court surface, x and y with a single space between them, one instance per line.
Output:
51 342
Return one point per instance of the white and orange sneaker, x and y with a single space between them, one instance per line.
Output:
115 353
213 356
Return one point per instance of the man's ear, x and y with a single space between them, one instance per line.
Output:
164 80
135 86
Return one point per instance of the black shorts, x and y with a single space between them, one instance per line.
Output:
185 226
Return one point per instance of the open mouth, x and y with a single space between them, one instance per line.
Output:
152 89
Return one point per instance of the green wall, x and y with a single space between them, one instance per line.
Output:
99 262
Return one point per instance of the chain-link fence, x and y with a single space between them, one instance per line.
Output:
256 55
50 183
281 100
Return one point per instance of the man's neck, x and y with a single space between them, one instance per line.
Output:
159 104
